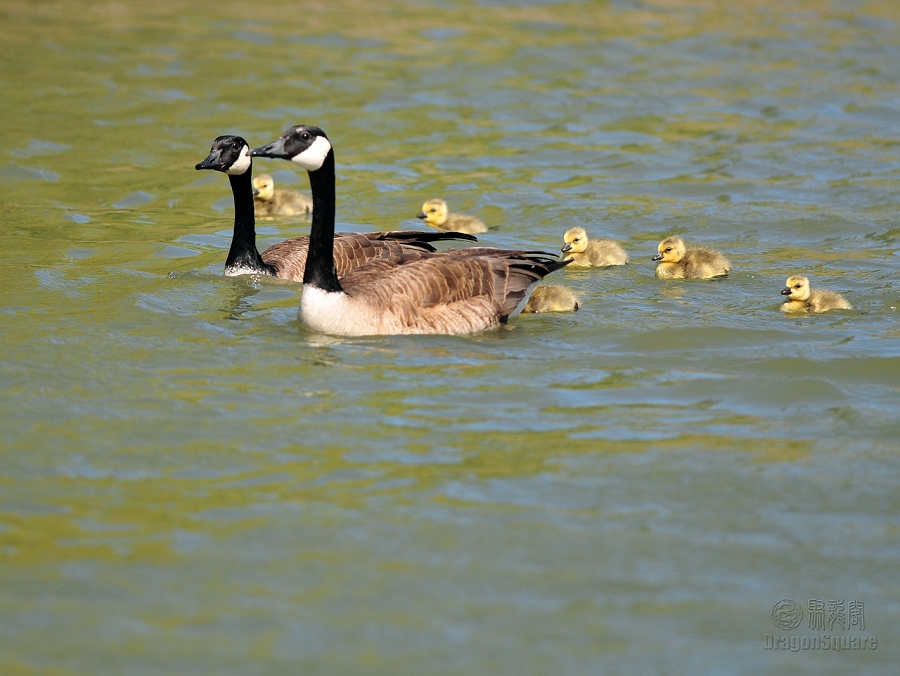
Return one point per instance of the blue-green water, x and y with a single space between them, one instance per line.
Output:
193 484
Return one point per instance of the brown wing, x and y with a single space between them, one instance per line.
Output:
353 249
447 294
288 258
418 237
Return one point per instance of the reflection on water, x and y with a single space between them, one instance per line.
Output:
192 483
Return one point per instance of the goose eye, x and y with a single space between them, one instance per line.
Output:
305 136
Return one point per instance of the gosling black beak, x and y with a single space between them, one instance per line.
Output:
421 214
656 257
567 247
786 291
255 190
274 149
214 161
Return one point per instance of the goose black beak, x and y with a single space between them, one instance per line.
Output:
213 161
656 257
566 248
421 214
786 291
274 149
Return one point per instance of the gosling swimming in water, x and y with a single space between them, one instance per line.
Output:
435 214
801 299
591 253
552 298
270 202
696 262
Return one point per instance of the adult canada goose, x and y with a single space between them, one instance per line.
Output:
270 202
450 293
800 298
696 262
552 298
435 214
287 259
591 253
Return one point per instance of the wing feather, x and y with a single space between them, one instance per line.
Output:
353 249
446 293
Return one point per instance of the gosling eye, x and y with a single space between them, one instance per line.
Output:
668 250
797 286
433 209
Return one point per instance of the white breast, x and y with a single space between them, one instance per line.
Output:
335 313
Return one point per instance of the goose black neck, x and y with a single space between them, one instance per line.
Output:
243 254
320 271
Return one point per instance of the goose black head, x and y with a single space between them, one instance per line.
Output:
229 154
304 144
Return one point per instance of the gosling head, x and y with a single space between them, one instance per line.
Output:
434 212
264 187
229 154
576 241
796 288
304 144
670 250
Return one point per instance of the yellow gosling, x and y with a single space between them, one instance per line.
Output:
800 298
552 298
435 214
679 262
591 253
270 202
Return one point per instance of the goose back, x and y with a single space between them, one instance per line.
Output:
353 249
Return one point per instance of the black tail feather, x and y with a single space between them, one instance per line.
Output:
543 265
421 236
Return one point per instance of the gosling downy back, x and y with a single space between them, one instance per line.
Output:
436 214
802 298
426 294
680 262
552 298
591 253
287 260
268 201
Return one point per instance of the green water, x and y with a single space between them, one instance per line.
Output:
192 484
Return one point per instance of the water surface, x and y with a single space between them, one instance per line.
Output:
194 484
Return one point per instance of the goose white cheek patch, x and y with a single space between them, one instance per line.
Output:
242 164
313 157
